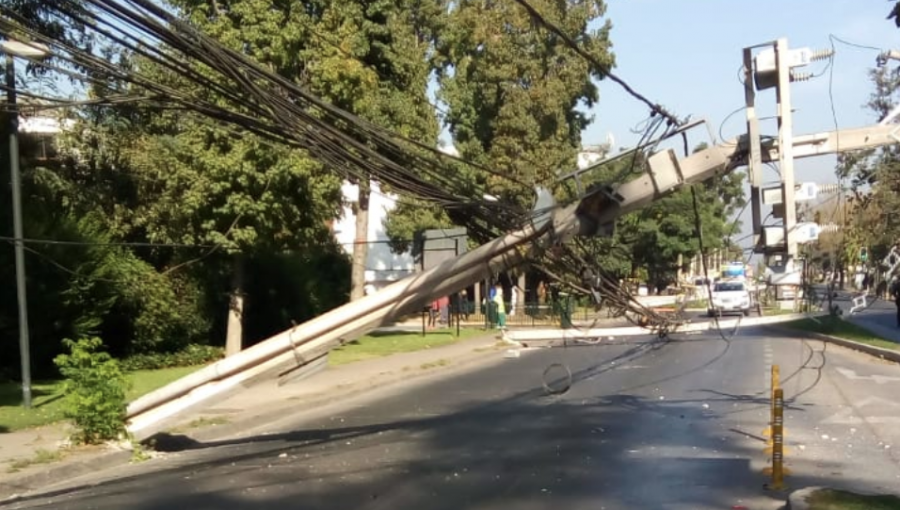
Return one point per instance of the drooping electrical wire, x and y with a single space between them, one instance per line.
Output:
599 68
347 144
230 87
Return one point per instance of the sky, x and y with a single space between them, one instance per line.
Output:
686 56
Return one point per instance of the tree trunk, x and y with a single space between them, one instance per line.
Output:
679 273
361 245
234 335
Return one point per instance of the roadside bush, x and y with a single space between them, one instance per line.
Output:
190 356
94 389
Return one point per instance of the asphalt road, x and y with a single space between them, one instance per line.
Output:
675 425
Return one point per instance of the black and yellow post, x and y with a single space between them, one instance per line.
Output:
776 432
777 469
776 384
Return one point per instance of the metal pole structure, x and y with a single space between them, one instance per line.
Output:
16 183
786 150
458 299
458 313
754 163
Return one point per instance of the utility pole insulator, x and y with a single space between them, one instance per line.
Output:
801 76
822 54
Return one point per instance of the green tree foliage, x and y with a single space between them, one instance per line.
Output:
666 229
94 391
81 286
409 218
514 92
648 243
514 96
138 175
875 184
367 58
895 14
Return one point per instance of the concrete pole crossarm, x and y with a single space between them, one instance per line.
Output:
359 316
754 163
830 142
667 173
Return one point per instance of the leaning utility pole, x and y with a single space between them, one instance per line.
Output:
786 148
772 67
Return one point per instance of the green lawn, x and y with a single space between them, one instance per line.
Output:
768 312
377 345
829 499
836 326
47 399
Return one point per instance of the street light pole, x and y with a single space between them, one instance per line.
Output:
16 183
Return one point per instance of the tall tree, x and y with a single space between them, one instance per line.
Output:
368 58
514 95
875 182
647 244
514 92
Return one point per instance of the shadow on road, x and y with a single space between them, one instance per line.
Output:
476 441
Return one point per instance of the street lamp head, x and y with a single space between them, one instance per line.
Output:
30 50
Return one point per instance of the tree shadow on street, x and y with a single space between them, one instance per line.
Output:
482 440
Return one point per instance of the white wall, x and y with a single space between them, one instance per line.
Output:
44 125
382 266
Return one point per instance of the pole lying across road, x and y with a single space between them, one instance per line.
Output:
311 340
593 215
308 341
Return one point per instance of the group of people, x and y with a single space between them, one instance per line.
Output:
440 309
440 312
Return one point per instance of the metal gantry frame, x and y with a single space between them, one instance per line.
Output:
785 157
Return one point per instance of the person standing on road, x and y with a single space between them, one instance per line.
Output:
895 293
500 307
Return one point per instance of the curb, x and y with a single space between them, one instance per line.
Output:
797 499
16 487
878 352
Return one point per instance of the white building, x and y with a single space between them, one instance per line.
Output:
382 266
42 125
591 155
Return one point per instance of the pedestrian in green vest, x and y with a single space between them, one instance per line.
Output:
500 307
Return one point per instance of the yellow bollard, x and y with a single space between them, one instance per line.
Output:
776 384
778 471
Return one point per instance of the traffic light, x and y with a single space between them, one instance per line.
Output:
863 254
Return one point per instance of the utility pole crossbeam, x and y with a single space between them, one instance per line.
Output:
754 162
786 154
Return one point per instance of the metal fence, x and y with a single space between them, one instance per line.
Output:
552 313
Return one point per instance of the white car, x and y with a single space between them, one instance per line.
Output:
730 297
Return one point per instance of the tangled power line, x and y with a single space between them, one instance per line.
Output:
228 86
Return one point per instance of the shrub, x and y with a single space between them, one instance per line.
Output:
190 356
95 389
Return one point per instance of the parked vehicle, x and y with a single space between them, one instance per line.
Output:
730 296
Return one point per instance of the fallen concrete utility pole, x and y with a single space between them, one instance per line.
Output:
593 215
311 340
306 342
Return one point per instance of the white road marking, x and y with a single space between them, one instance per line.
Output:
846 416
879 379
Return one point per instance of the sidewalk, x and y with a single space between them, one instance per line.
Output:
880 318
34 458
